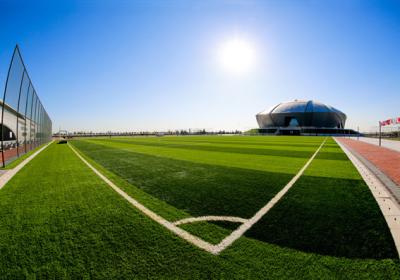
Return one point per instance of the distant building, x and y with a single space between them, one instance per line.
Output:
300 116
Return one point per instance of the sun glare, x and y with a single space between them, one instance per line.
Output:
237 56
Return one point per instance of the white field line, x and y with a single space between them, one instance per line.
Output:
10 173
383 197
170 226
213 249
210 218
250 222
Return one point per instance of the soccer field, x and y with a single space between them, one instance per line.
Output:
57 217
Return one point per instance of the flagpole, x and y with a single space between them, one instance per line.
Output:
358 133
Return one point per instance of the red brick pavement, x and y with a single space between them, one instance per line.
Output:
386 160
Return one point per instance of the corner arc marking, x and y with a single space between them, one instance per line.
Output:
210 218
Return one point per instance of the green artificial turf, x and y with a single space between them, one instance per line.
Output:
271 163
199 189
329 211
328 214
58 220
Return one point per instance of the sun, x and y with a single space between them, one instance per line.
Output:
237 56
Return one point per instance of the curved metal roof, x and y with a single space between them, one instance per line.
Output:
302 106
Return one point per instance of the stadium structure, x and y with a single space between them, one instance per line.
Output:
302 117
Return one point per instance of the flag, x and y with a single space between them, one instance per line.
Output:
386 122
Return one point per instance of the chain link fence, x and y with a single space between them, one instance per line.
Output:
25 123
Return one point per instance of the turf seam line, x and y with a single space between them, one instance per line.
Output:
227 241
10 173
210 218
384 198
170 226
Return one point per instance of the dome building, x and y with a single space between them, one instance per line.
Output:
300 116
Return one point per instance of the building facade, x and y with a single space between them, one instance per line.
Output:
301 115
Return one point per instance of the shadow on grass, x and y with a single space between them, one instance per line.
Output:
327 216
335 217
242 150
199 189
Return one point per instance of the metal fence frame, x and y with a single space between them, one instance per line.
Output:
32 126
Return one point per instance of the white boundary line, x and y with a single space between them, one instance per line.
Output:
210 218
383 197
227 241
10 173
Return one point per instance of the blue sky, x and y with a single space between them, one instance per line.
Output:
152 65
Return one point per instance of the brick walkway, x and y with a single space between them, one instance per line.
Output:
386 160
12 153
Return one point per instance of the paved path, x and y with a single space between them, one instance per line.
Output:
384 190
385 159
390 144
